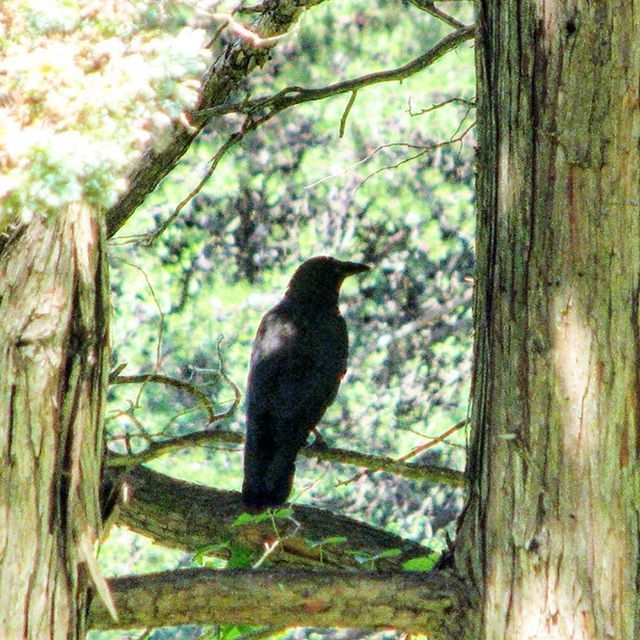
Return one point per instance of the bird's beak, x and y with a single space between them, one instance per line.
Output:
351 268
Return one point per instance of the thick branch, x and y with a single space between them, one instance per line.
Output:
417 603
188 516
415 471
224 77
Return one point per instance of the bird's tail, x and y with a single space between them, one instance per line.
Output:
268 475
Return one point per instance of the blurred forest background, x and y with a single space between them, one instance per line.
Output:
394 191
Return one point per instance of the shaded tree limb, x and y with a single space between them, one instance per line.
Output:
414 471
180 514
224 77
432 603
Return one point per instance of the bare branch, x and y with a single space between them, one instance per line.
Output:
428 473
291 96
264 109
431 603
159 448
439 105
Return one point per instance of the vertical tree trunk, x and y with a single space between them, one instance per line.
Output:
53 375
550 535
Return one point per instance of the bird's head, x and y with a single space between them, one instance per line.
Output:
320 278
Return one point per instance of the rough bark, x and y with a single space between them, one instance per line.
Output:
53 374
411 602
184 515
550 536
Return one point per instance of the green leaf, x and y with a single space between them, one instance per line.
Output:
421 563
231 631
325 541
248 518
282 513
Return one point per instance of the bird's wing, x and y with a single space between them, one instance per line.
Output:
297 363
295 371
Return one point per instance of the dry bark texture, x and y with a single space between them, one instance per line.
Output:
53 373
551 532
414 603
184 515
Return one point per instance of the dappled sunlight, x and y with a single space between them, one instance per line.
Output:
575 366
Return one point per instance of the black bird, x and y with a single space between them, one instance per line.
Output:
299 358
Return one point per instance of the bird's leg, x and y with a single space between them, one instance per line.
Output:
318 442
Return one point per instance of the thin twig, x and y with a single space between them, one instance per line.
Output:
387 467
160 325
231 142
429 7
171 382
345 115
368 157
426 149
439 105
432 443
270 547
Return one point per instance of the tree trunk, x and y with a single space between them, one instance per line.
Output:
550 535
53 374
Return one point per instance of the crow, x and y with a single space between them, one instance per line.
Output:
299 358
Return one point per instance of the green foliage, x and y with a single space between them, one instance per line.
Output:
91 86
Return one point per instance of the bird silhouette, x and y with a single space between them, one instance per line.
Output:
299 358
